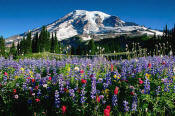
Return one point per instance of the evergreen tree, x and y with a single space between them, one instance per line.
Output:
18 48
56 46
2 46
44 40
52 47
35 46
92 46
47 42
59 47
22 46
28 43
41 40
13 50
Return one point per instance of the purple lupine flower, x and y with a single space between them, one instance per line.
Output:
166 86
146 86
61 85
93 89
114 100
57 99
83 92
126 107
134 103
39 92
72 92
158 90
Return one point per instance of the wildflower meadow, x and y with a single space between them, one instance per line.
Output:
89 87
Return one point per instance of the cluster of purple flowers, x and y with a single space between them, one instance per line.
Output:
86 80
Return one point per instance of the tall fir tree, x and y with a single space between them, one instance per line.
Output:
13 50
57 50
22 46
35 46
2 46
52 47
37 43
28 43
92 47
47 42
18 48
44 40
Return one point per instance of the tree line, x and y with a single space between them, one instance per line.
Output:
40 42
46 42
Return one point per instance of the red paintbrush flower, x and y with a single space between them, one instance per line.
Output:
37 100
14 91
149 65
116 90
63 109
97 99
83 81
112 67
108 107
33 80
5 73
140 81
106 112
50 78
81 71
132 93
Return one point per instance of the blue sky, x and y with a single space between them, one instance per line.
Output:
18 16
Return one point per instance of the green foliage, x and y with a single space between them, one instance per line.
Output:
13 51
44 40
2 46
92 47
28 43
52 48
76 46
35 44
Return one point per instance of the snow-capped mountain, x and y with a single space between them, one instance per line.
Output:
86 23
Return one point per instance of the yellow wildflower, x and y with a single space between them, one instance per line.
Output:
68 69
148 75
16 77
22 69
115 76
103 91
106 91
48 82
30 72
173 77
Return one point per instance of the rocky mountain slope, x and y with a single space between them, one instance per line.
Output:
90 23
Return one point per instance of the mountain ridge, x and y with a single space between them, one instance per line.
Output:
87 23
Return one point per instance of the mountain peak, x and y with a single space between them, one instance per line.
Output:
87 23
83 12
